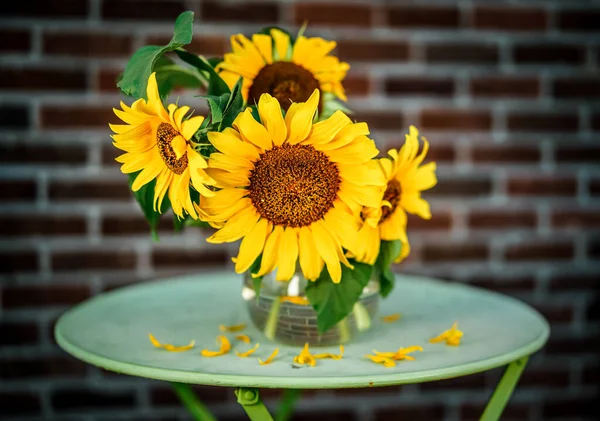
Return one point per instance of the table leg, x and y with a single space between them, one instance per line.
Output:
191 402
504 390
249 398
286 407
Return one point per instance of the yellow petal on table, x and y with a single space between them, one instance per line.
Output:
301 301
331 356
391 317
249 352
225 348
232 328
451 336
270 359
243 338
169 347
305 357
400 354
385 361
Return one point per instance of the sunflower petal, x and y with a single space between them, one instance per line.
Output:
252 246
287 260
272 118
252 131
299 122
271 251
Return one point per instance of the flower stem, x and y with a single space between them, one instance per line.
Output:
344 330
191 402
271 326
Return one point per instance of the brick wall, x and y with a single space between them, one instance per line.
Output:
507 92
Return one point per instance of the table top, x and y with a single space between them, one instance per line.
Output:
111 331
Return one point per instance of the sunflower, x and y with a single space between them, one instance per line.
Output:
291 190
158 143
289 72
406 179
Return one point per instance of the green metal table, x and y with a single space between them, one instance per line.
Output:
111 331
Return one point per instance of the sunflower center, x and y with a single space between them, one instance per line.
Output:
285 81
293 185
392 195
164 136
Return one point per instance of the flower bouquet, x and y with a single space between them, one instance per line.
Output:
278 164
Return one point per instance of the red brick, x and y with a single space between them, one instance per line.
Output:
504 285
471 120
580 219
574 282
73 399
131 225
41 367
380 120
240 12
172 258
164 395
24 333
461 53
545 377
594 187
543 122
462 187
89 190
440 221
591 375
505 87
576 88
107 80
514 412
355 15
577 154
161 10
510 18
31 224
424 412
419 86
20 153
582 20
86 44
18 261
357 85
44 8
414 16
15 40
555 314
472 382
592 313
589 344
372 51
207 45
14 116
17 190
501 219
580 408
72 117
20 403
542 186
42 80
91 259
43 295
368 391
539 251
505 154
548 53
454 252
593 248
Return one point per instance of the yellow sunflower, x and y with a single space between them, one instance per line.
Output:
291 190
406 179
158 143
289 72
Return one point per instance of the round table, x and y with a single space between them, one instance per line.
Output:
111 331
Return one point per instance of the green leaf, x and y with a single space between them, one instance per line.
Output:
216 114
216 85
145 198
140 66
256 282
388 251
235 105
333 302
330 105
178 224
171 77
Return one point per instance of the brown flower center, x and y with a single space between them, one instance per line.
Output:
164 135
285 81
293 185
392 195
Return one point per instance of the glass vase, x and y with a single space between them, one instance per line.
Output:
282 312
